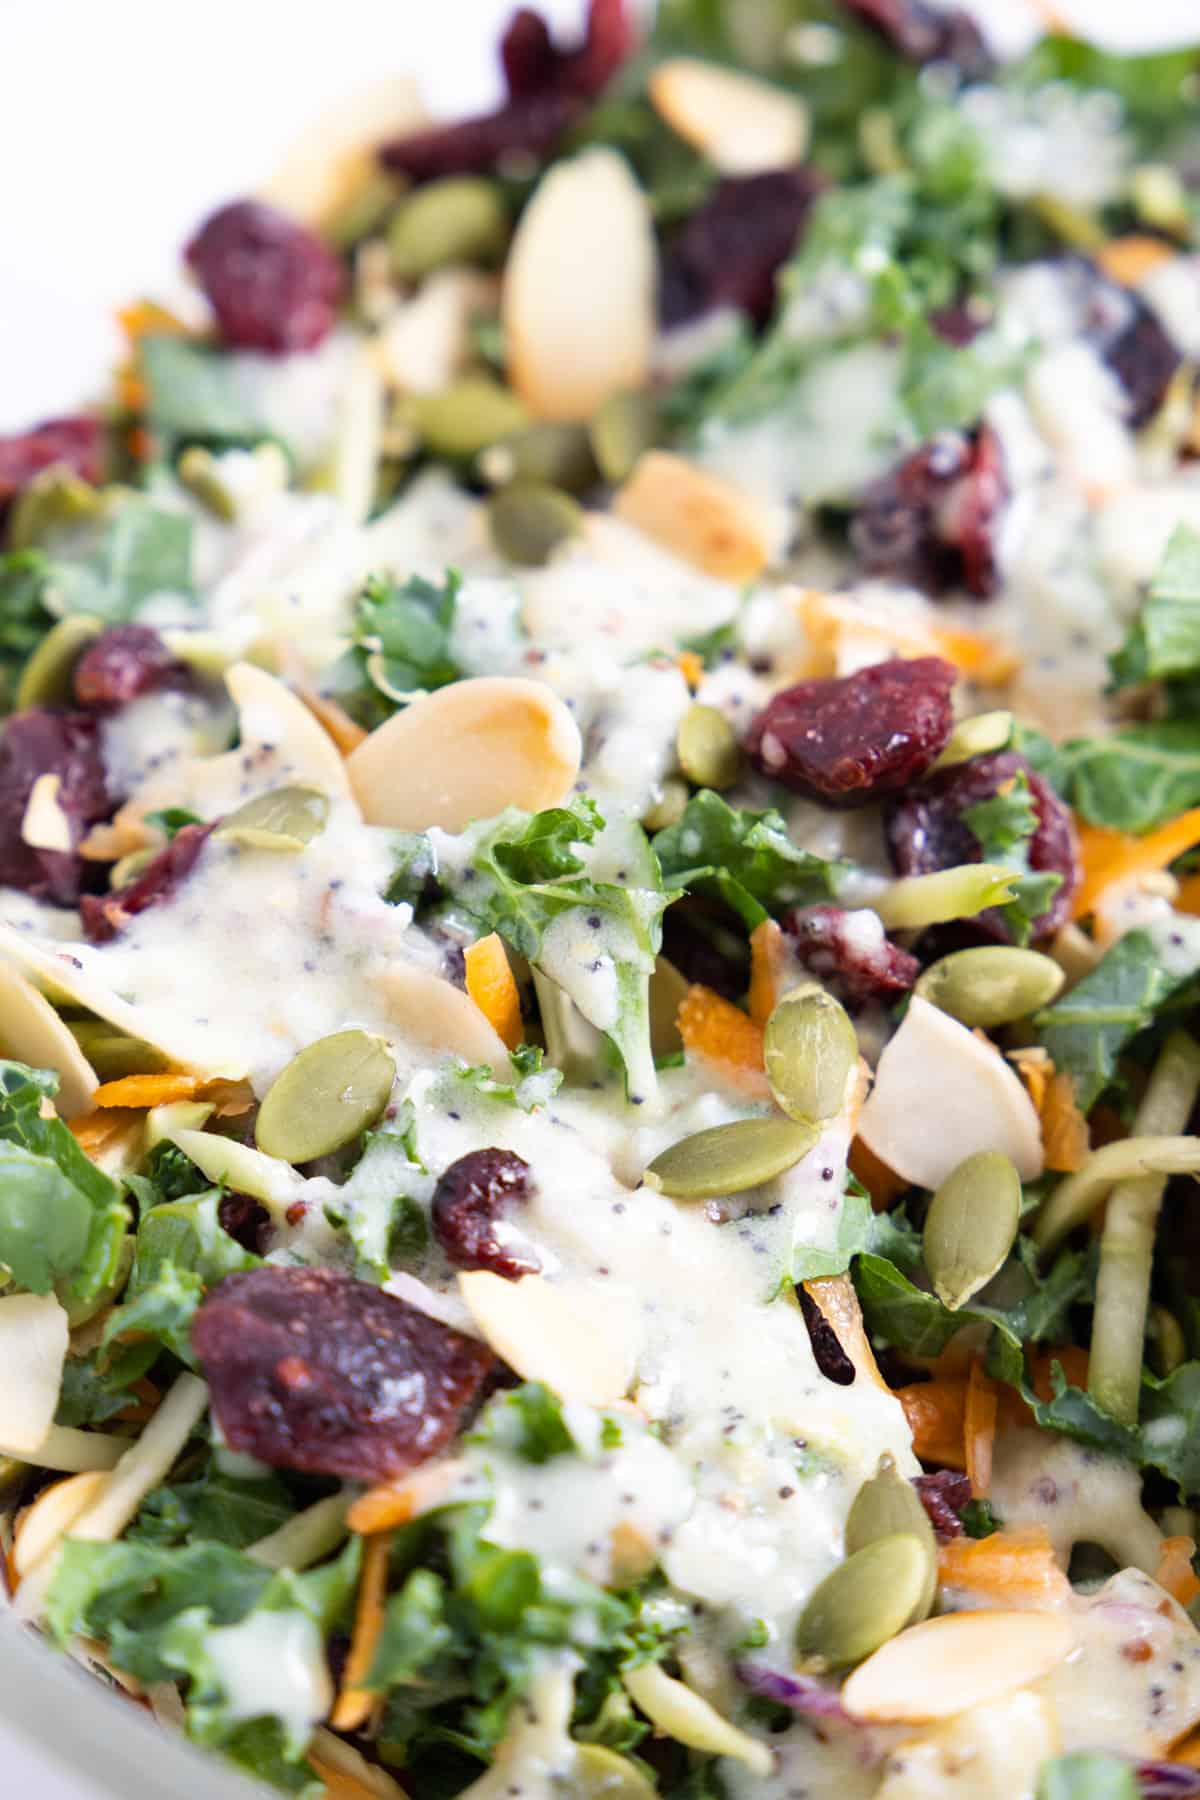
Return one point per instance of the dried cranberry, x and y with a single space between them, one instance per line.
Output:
730 250
105 915
932 519
123 662
944 1495
472 1199
35 743
78 444
270 282
312 1370
926 830
848 739
1167 1781
853 961
830 1358
244 1218
922 33
548 90
1128 336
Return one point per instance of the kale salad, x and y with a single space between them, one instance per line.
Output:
600 937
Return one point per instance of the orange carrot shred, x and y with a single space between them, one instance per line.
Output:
1066 1141
147 1090
1175 1572
1129 258
1011 1567
717 1032
767 957
491 986
1188 898
691 667
1071 1358
979 1429
883 1184
354 1702
339 1785
1109 856
95 1132
936 1414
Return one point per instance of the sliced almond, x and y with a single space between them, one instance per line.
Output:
466 752
426 342
33 1348
701 517
945 1665
742 125
45 826
52 1514
32 1032
325 169
941 1093
578 305
439 1019
579 1339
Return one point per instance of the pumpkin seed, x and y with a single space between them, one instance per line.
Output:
529 520
971 1226
600 1774
809 1049
626 424
112 1053
462 219
976 737
992 984
46 677
200 473
707 748
464 418
670 806
888 1504
668 991
55 498
864 1601
326 1095
727 1159
559 454
286 818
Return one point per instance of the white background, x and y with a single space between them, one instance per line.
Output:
123 121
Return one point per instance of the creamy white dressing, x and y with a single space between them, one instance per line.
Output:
273 1663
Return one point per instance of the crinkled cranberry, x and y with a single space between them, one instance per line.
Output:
245 1219
124 662
473 1198
830 1358
78 444
926 830
850 954
944 1495
1129 337
731 249
67 745
923 34
932 520
105 915
548 90
849 739
312 1370
272 284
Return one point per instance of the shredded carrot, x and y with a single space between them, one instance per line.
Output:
827 617
145 318
1175 1572
346 734
1073 1360
354 1702
883 1184
979 1429
691 667
147 1090
1109 856
1011 1567
768 955
1188 898
1127 259
936 1412
491 986
1187 1750
394 1503
1066 1142
339 1785
837 1302
720 1034
96 1132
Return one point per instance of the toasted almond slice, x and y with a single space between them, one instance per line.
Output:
439 1018
701 517
426 342
33 1348
326 168
934 1069
579 289
743 125
466 752
580 1340
945 1665
52 1514
45 826
32 1032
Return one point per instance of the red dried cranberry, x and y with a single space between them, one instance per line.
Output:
1167 1781
472 1198
848 739
245 1219
828 1354
926 831
78 444
36 742
271 283
548 90
123 662
105 915
932 519
834 945
731 249
1128 336
922 33
312 1370
944 1495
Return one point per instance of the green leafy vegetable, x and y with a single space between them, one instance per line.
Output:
24 619
528 1423
193 394
1087 1775
111 562
415 866
376 1206
89 1394
744 858
215 1507
403 638
172 820
1155 89
1003 827
908 1317
529 1085
1164 640
181 1249
1137 777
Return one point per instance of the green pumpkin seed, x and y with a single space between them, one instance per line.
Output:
55 499
809 1049
557 454
670 806
200 472
993 984
976 737
727 1159
707 748
626 425
865 1601
462 219
464 418
113 1054
600 1774
46 677
971 1226
668 991
529 521
286 818
888 1504
326 1096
